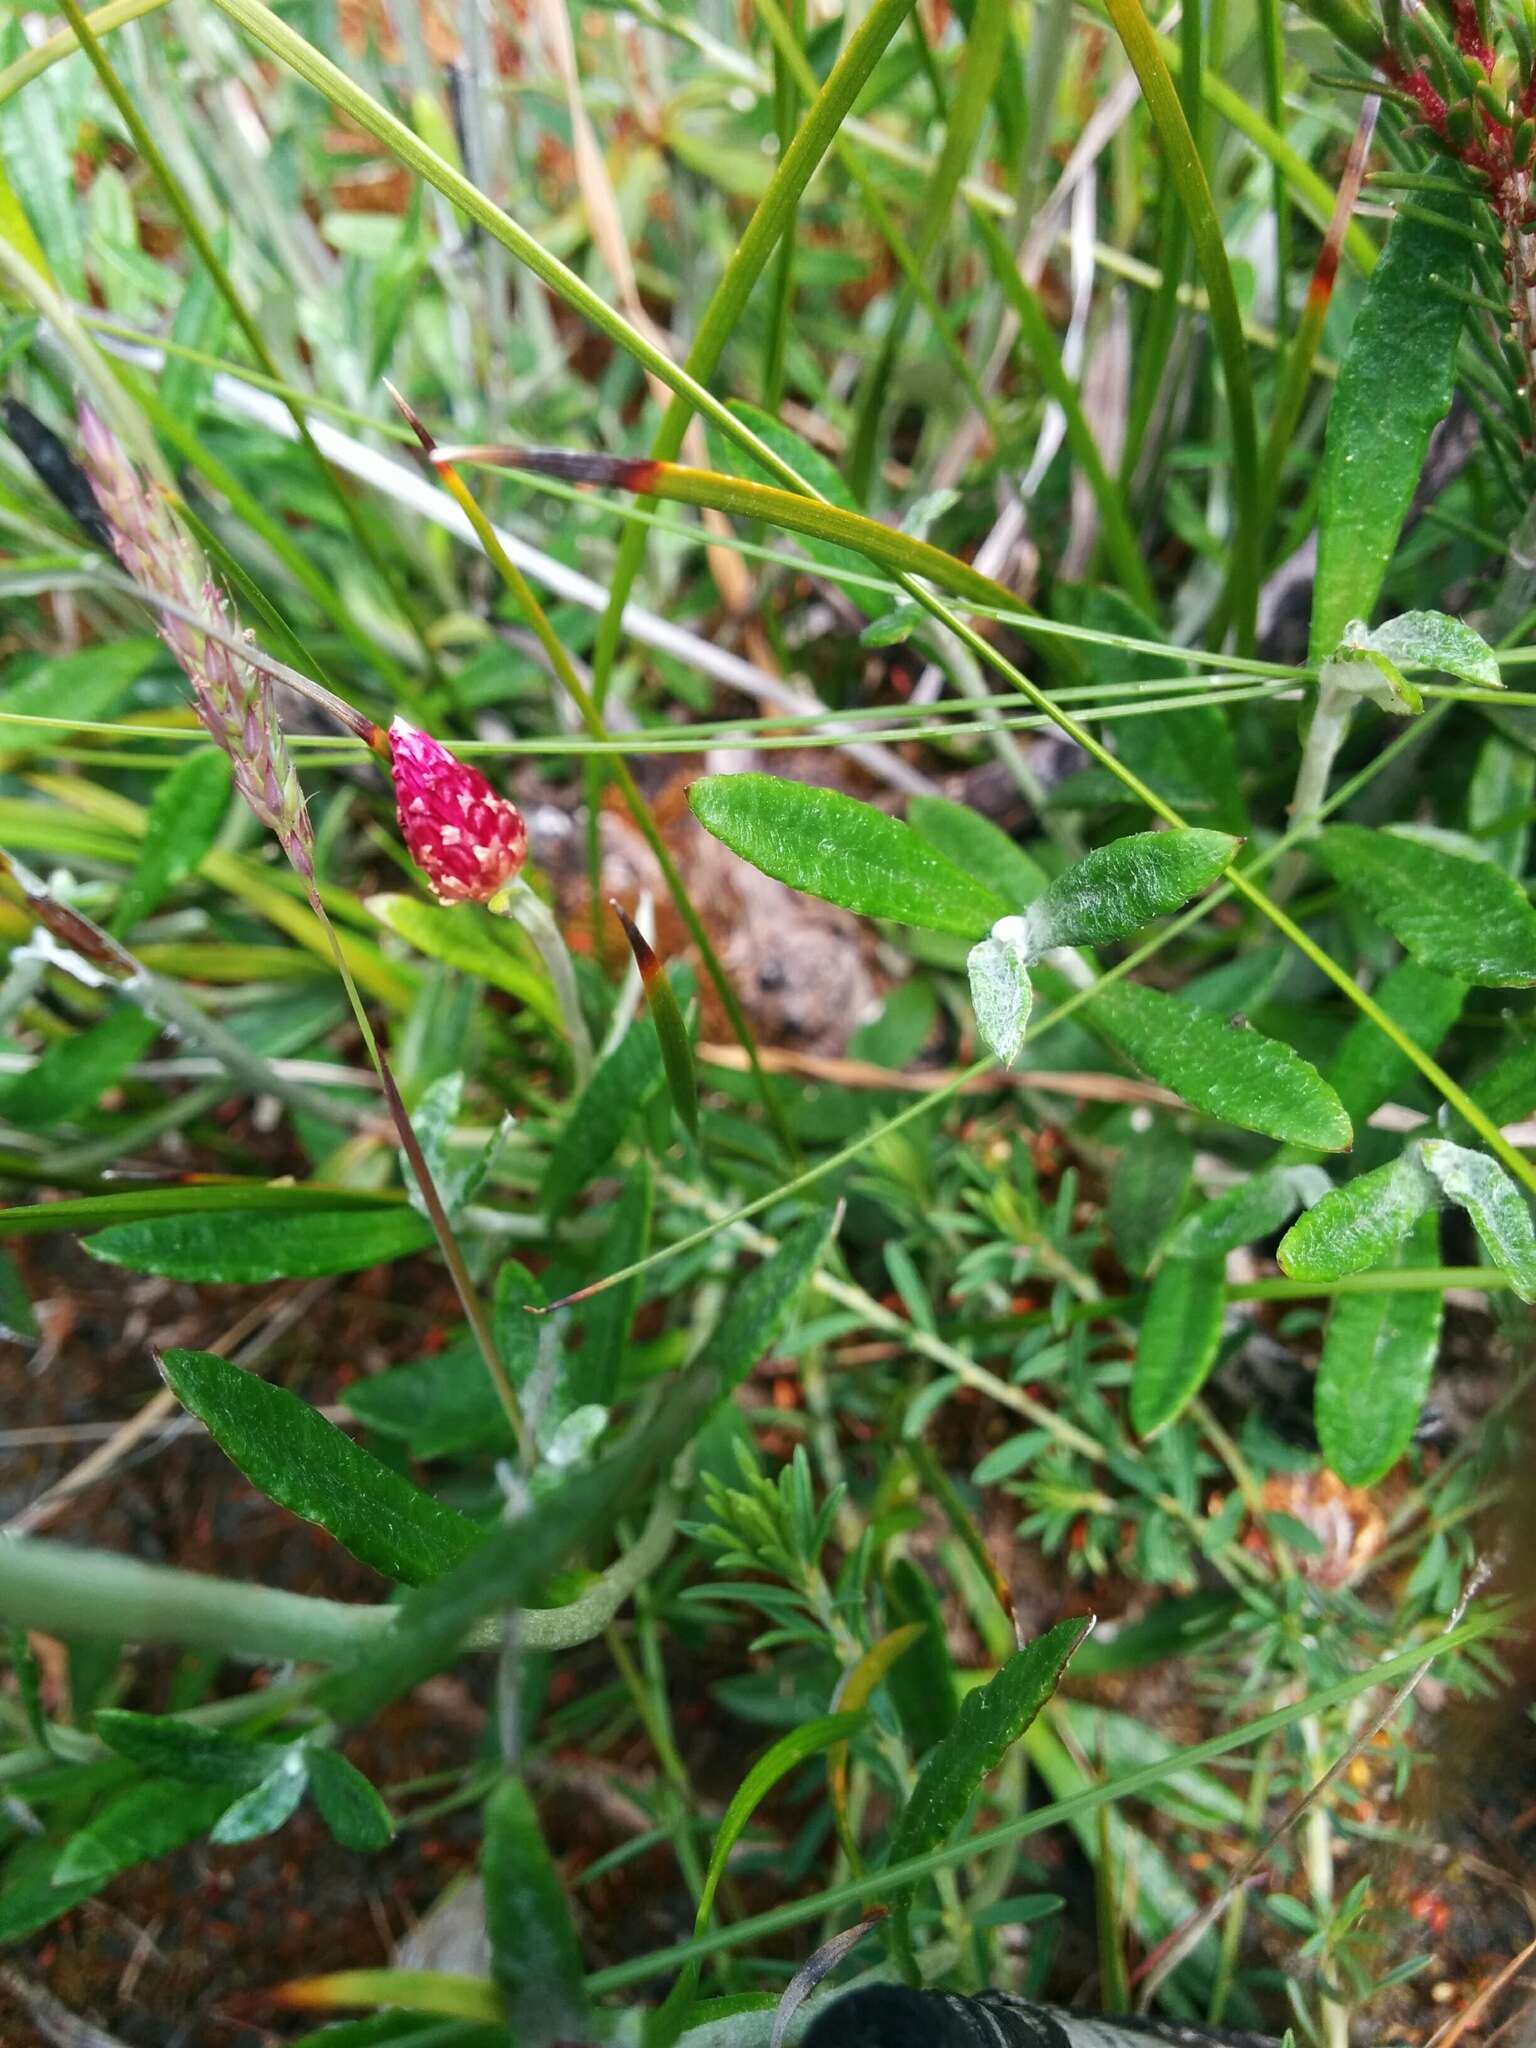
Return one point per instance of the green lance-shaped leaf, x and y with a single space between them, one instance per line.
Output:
350 1807
440 1406
986 853
535 1956
1462 916
621 1084
1369 1069
843 851
594 1366
1394 388
73 1072
991 1719
470 938
314 1469
1227 1070
761 1306
215 1248
175 1748
267 1806
1378 1356
1180 1337
1001 995
671 1030
1499 1212
91 685
921 1683
1256 1208
1360 1224
1118 888
184 820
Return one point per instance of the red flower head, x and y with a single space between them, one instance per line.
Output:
468 841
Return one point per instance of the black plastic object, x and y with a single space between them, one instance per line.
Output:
890 2016
56 469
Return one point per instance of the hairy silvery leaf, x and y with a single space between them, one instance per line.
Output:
1364 671
1355 1226
1117 888
1435 640
1001 994
1497 1208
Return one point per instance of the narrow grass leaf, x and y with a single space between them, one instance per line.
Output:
1180 1337
1394 388
207 1247
1117 888
90 686
1500 1213
253 1197
350 1807
671 1029
1358 1225
991 1719
535 1956
1460 916
312 1468
1229 1071
1189 180
1379 1355
846 852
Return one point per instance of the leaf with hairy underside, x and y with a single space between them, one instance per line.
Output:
991 1719
1180 1337
1356 1226
1001 996
314 1469
1461 916
1256 1208
843 851
1378 1356
1500 1214
1229 1071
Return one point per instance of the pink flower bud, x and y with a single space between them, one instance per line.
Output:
468 841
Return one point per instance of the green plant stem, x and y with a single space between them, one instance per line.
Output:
192 227
586 706
108 1598
43 56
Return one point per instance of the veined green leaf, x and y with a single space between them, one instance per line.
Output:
1229 1071
843 851
991 1719
440 1406
1462 917
1358 1224
470 938
314 1469
1118 888
1180 1337
148 1819
350 1807
1394 388
1500 1214
174 1748
761 1306
1378 1356
72 1073
594 1128
1369 1068
184 820
535 1956
207 1246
